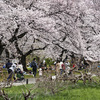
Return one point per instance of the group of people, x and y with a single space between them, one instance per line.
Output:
12 68
41 67
62 67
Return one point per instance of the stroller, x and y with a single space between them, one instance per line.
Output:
19 75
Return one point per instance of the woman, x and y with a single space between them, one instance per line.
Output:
57 68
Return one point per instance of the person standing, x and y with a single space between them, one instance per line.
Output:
40 71
8 64
57 68
60 68
34 67
11 71
63 67
67 65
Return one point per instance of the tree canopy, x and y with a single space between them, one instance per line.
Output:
60 27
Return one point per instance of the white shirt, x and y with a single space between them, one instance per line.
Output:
20 66
60 65
68 64
40 71
67 69
13 67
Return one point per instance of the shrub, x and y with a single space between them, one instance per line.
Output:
49 61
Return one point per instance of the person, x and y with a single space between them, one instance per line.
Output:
34 67
68 70
67 63
61 69
40 71
57 67
20 66
11 71
67 67
73 65
41 65
8 64
19 74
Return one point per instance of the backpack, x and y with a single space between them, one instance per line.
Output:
33 64
63 66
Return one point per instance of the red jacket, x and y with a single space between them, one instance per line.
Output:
73 65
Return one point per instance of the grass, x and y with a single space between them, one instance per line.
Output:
3 75
28 76
15 92
29 68
77 92
73 92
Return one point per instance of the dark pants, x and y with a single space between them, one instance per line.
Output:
34 72
61 71
10 72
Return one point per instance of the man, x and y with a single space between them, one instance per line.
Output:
34 67
8 64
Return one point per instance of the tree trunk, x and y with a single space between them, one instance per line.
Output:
1 50
23 61
1 47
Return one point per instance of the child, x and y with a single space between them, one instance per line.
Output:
40 72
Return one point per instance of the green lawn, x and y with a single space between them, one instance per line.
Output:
73 92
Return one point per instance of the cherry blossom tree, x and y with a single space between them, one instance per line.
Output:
60 27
